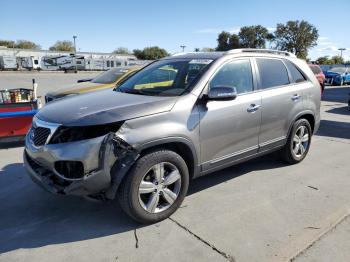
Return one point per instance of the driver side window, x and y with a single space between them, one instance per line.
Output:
236 74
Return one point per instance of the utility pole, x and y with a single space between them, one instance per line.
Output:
183 48
75 54
75 47
341 51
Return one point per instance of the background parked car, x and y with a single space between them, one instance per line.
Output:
319 75
338 76
108 79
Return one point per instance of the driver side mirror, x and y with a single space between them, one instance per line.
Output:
222 93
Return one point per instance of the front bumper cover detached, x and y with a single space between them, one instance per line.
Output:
115 157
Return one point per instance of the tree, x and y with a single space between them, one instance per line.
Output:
337 60
22 44
138 53
323 60
197 49
223 41
64 45
234 42
122 51
25 44
150 53
208 49
296 37
8 43
253 36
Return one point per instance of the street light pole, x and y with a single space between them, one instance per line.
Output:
341 51
75 54
75 47
183 48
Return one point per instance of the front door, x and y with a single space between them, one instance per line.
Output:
229 129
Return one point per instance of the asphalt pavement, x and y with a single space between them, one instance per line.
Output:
261 210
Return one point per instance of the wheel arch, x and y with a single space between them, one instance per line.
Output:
308 115
179 145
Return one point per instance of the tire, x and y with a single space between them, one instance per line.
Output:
137 205
288 153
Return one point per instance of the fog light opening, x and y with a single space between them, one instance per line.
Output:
70 169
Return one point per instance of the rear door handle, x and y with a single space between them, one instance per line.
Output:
295 97
253 108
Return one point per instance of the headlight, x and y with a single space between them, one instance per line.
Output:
69 134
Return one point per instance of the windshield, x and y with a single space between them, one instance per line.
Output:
165 77
339 70
109 76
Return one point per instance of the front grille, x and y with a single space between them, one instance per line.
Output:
40 135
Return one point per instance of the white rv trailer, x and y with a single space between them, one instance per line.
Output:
29 63
94 64
72 62
8 63
53 63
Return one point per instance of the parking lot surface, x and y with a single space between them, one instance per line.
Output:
262 210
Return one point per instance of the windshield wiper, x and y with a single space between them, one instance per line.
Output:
136 91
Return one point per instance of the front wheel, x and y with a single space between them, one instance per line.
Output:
155 186
298 142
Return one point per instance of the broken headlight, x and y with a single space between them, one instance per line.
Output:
65 134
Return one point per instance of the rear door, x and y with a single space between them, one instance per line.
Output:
281 84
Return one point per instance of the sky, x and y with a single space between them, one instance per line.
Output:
103 25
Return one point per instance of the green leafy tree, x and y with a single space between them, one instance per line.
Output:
25 44
296 37
121 51
22 44
234 41
150 53
8 43
323 60
253 36
337 60
139 54
223 41
64 45
208 49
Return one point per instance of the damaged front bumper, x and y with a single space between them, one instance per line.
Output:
102 163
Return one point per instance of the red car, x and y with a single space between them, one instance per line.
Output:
319 75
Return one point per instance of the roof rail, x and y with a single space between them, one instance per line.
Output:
267 51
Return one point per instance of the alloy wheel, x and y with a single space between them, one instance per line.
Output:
301 141
159 187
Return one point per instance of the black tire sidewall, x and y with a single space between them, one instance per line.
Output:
136 175
297 124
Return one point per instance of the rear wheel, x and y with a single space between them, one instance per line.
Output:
155 186
298 142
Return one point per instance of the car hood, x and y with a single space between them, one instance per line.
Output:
102 107
332 74
76 88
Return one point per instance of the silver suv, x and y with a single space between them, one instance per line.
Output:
178 118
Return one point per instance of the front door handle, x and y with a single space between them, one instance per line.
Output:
295 97
253 108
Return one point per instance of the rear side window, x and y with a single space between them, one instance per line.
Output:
295 74
272 73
